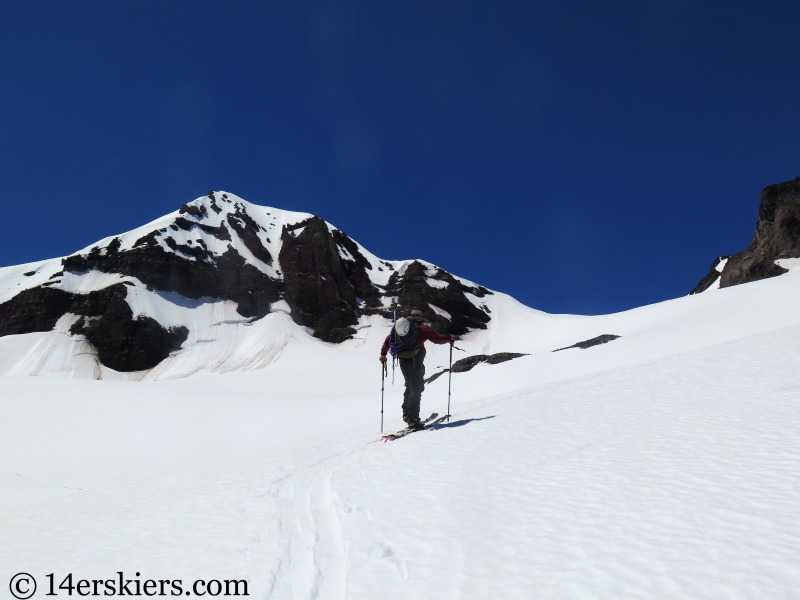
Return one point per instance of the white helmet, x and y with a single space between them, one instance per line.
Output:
402 326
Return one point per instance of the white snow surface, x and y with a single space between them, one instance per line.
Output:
664 464
791 264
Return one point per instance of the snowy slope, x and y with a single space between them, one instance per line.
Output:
663 464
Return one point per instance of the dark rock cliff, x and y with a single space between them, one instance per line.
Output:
447 294
123 343
777 236
316 285
228 276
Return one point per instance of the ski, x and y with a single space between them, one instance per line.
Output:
434 419
437 421
406 431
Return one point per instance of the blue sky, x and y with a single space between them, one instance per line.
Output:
584 157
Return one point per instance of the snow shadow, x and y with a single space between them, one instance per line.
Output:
184 302
460 423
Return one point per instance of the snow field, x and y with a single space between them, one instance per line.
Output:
664 464
639 482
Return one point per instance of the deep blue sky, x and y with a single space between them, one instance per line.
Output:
584 157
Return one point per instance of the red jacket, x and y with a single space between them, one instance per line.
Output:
425 334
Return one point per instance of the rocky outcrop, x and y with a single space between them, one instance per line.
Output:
34 310
123 343
357 268
466 364
316 285
247 229
777 236
441 298
595 341
228 276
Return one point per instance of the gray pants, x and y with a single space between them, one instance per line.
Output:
414 373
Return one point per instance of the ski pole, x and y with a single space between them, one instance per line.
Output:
383 376
449 380
391 333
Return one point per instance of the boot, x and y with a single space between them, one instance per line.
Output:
415 425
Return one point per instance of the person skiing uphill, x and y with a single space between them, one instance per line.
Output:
407 344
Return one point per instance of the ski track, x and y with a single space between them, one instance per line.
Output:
313 561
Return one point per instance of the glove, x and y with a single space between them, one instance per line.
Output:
382 359
452 340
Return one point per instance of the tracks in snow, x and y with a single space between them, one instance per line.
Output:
313 558
313 554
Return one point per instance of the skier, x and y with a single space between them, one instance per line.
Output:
407 343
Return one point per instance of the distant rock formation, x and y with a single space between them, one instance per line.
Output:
777 237
222 248
123 343
466 364
596 341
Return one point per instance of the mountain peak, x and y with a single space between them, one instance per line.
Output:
220 249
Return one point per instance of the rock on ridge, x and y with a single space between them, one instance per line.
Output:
777 237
